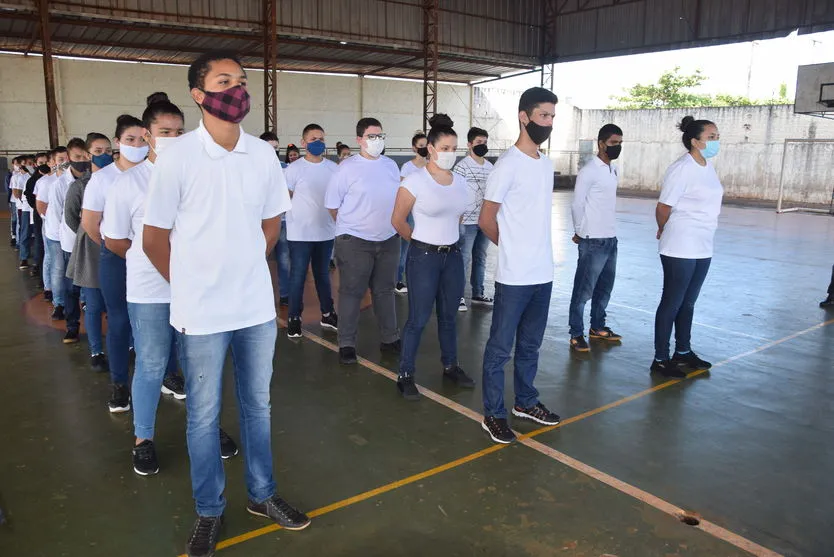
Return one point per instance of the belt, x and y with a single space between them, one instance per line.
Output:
431 247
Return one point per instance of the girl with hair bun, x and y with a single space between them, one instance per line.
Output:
687 217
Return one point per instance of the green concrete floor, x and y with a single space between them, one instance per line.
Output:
750 447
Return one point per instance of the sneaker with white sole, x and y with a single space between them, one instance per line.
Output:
462 305
294 327
330 321
538 413
498 430
119 399
174 385
401 288
482 301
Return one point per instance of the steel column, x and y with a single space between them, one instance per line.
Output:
550 9
48 74
270 38
430 59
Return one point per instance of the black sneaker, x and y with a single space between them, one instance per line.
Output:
579 344
294 327
58 314
605 334
47 295
284 514
538 413
692 360
668 368
71 337
99 363
458 377
144 459
462 305
13 242
482 301
498 430
34 272
407 387
119 399
828 303
347 355
228 448
202 541
401 288
23 265
84 308
284 301
391 347
330 321
174 385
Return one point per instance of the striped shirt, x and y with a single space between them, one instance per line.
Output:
476 177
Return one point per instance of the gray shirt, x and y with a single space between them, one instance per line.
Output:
83 264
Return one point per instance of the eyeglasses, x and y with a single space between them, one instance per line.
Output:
372 136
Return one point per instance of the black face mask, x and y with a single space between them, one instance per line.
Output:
480 150
43 169
81 166
613 151
537 133
423 151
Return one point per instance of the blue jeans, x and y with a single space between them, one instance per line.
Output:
57 271
282 255
594 280
202 358
92 318
72 308
682 281
13 222
302 255
156 357
113 284
23 233
46 272
404 251
435 280
474 243
520 313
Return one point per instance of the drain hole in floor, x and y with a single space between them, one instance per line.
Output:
690 518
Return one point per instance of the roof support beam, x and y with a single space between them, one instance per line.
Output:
270 31
430 59
48 73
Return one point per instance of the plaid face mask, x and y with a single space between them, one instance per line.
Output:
231 105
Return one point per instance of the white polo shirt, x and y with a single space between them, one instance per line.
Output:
95 194
409 168
213 201
309 220
594 207
125 211
524 188
476 178
55 209
695 194
437 208
364 190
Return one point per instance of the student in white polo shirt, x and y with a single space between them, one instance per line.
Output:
310 229
41 204
361 199
211 217
24 215
687 217
52 216
516 216
594 212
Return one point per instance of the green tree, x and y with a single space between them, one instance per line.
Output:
672 90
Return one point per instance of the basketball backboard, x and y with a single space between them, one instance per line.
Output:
815 90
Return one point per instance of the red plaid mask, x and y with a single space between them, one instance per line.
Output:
231 105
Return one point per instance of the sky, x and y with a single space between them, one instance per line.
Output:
768 64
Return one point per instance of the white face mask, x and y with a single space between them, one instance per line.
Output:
446 159
160 143
133 154
375 147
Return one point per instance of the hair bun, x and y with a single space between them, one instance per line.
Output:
439 120
158 97
685 123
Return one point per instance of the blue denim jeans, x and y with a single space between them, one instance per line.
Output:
24 231
594 280
156 357
682 281
57 271
473 244
46 272
13 221
282 255
404 251
202 358
113 284
92 318
72 307
302 255
520 314
435 280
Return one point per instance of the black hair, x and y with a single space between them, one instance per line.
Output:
341 147
269 136
474 133
311 127
200 67
74 143
124 122
417 137
533 97
291 147
41 154
95 136
157 97
441 126
606 131
365 123
159 105
692 129
60 149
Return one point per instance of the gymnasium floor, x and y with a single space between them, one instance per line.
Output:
749 447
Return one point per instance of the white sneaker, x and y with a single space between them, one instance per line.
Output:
462 305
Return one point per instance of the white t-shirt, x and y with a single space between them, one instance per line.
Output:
476 178
125 210
42 188
408 169
213 201
308 220
55 206
695 193
594 206
364 190
95 195
524 188
18 182
437 208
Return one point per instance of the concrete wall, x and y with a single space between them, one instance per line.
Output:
752 143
